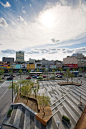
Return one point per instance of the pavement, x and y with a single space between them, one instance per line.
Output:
64 101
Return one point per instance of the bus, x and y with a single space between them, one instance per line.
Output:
35 73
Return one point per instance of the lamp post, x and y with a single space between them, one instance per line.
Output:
12 88
20 83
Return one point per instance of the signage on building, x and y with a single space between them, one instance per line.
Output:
52 66
73 65
18 66
23 66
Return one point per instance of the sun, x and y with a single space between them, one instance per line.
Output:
47 19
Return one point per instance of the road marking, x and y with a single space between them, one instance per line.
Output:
3 94
2 84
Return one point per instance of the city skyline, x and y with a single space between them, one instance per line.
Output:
50 29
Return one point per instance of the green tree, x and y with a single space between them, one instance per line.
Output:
71 76
44 101
1 71
80 69
35 87
60 69
20 71
53 72
29 71
37 70
68 74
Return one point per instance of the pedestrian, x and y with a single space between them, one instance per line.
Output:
81 82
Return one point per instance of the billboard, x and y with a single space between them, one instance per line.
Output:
18 66
30 66
73 65
23 66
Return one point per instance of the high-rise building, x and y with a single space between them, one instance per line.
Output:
19 56
8 59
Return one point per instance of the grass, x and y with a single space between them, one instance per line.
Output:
9 112
65 118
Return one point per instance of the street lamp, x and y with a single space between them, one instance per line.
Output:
12 88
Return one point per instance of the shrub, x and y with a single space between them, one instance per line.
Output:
65 118
9 112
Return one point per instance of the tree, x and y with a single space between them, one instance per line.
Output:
26 90
80 69
71 76
1 71
68 74
28 71
20 71
44 101
53 71
60 69
36 88
37 70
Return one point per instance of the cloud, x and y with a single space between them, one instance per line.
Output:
23 11
66 28
81 50
21 18
6 5
55 41
8 51
3 22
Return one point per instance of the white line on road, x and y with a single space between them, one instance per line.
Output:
3 94
2 84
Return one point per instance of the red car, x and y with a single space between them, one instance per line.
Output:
28 77
44 76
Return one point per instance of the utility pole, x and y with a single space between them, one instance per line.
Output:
12 88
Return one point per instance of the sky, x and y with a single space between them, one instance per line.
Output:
50 29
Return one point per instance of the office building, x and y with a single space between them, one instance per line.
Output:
8 59
19 56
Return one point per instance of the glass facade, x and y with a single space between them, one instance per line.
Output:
20 56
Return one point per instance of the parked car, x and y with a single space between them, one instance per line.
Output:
57 75
52 77
60 76
44 76
2 77
24 71
35 76
80 75
12 75
6 75
39 77
28 77
10 78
